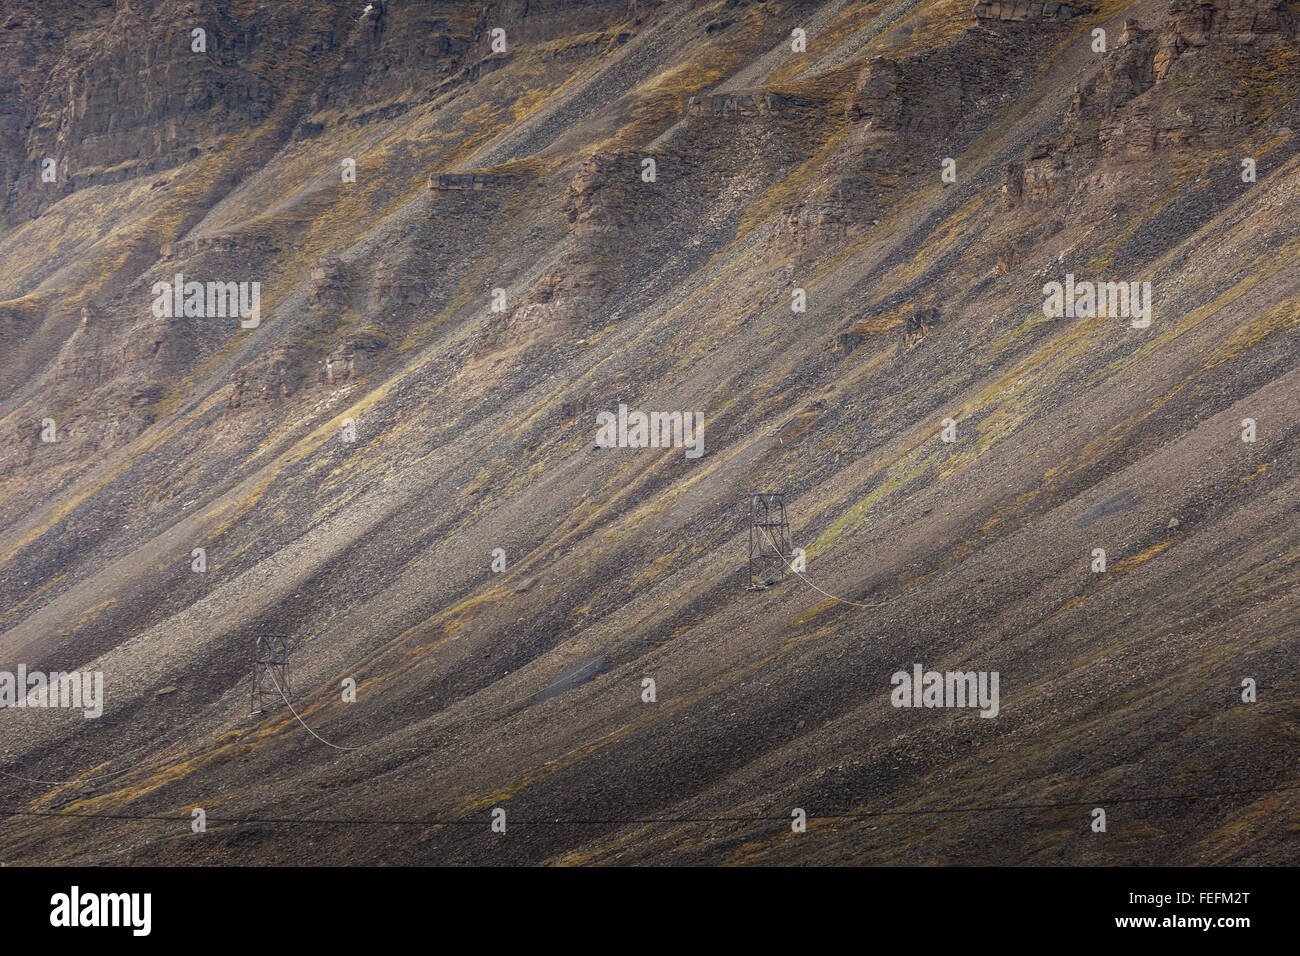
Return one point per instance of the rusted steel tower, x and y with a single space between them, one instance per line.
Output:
270 671
769 540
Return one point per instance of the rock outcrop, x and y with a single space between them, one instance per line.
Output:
1022 11
353 357
739 104
329 285
269 380
1140 103
876 101
1235 23
608 198
456 182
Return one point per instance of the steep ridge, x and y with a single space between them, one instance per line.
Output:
519 177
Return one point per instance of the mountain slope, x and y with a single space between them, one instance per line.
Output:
775 171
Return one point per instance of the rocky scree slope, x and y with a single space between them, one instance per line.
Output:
776 170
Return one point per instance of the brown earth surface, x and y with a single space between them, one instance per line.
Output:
475 430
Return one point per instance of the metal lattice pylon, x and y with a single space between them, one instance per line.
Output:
769 540
270 671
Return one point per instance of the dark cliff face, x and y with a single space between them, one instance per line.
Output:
475 228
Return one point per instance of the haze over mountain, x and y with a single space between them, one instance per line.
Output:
463 259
